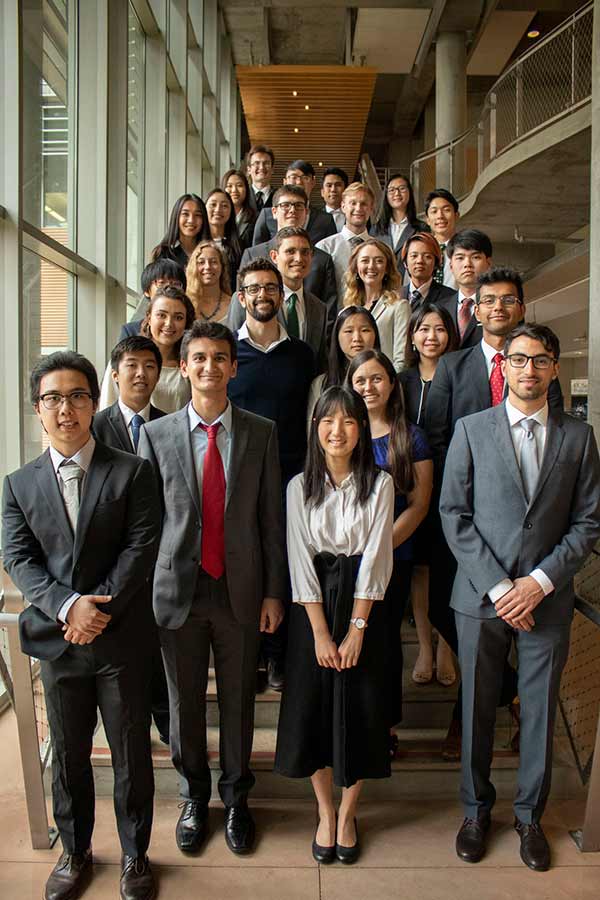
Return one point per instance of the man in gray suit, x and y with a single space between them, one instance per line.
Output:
520 508
301 313
220 575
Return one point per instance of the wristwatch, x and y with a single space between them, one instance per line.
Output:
359 623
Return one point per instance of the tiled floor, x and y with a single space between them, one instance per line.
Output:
408 851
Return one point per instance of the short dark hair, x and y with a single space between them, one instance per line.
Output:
213 331
536 332
291 231
305 167
502 273
426 238
293 189
444 194
135 343
55 362
259 148
162 268
470 239
259 264
333 170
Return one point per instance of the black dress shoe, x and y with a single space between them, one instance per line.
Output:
70 876
535 851
192 826
137 880
240 830
348 855
324 855
275 675
470 840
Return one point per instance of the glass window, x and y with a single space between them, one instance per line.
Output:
135 152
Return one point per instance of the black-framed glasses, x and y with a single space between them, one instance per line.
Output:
520 360
77 399
398 190
490 300
287 205
271 290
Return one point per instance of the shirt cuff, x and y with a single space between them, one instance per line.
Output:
499 590
543 581
64 610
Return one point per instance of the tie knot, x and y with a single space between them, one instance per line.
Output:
211 430
292 300
70 471
442 247
137 421
498 359
355 241
529 426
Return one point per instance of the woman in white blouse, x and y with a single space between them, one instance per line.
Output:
332 725
372 280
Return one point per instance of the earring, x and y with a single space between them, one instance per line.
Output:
414 349
357 276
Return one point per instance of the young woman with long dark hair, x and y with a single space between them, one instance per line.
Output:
235 183
223 230
396 219
188 224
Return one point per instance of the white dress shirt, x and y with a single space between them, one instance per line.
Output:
489 353
264 191
423 290
338 216
340 249
300 308
449 279
397 229
515 417
341 525
128 415
244 335
199 439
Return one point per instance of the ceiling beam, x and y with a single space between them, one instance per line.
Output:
428 37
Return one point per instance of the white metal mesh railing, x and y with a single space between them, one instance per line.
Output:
544 84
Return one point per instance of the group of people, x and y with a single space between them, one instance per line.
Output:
371 389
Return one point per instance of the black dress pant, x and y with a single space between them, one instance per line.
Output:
186 654
76 685
394 605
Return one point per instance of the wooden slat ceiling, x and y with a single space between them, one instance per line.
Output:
330 132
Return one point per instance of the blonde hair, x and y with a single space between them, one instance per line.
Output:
354 289
194 284
357 186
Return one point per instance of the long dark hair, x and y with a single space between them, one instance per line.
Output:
412 355
400 442
385 212
248 214
171 238
362 461
231 241
336 361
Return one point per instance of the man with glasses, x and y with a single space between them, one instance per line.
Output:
259 168
520 507
319 224
80 528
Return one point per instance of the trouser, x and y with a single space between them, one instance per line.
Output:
186 654
76 685
542 653
159 691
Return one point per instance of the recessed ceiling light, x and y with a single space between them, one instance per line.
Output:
306 106
320 163
296 130
533 33
294 93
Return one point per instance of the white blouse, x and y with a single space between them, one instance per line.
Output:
341 525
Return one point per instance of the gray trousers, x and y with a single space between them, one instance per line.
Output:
483 645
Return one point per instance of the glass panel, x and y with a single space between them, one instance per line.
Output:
47 326
48 115
135 152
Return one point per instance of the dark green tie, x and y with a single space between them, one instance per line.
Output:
293 325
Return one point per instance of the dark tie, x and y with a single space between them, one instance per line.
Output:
415 298
136 423
464 316
497 380
438 274
260 200
213 507
356 241
293 325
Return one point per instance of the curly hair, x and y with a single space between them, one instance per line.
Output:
354 289
194 283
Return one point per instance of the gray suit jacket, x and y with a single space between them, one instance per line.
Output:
255 561
495 534
316 325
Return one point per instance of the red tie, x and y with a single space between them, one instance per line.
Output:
497 380
213 507
464 316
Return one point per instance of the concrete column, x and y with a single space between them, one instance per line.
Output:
450 101
594 313
429 141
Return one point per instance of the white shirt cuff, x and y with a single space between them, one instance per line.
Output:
499 590
64 610
543 581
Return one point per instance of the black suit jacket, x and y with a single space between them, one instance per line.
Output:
110 428
385 235
437 294
112 552
460 387
267 202
320 225
472 336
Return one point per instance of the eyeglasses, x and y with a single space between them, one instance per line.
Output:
77 399
271 290
263 164
397 190
520 360
490 300
287 205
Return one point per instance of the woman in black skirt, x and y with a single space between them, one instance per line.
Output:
333 720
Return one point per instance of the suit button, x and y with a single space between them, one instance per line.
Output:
528 525
194 559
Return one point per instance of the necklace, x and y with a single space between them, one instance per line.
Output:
211 315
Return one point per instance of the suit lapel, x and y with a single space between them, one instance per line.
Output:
183 450
49 485
100 467
312 317
117 423
477 379
239 442
555 434
505 447
469 329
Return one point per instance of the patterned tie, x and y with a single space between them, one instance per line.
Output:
260 200
438 275
530 466
293 325
415 298
356 241
213 507
465 311
72 476
136 423
497 380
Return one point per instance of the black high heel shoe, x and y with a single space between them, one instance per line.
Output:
348 855
324 855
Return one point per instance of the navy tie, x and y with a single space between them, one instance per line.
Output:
136 423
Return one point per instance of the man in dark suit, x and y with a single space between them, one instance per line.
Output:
470 254
259 167
156 275
319 224
302 314
520 507
80 533
334 183
320 280
441 214
421 254
220 575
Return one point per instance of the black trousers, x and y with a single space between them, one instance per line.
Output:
394 605
76 685
186 654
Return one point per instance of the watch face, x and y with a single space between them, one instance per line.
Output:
360 623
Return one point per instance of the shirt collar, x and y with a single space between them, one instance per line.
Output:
423 290
244 335
346 484
288 291
488 351
515 415
348 235
264 190
128 413
83 457
224 419
462 297
402 224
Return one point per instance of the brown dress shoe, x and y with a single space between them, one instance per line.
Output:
137 879
70 876
451 744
